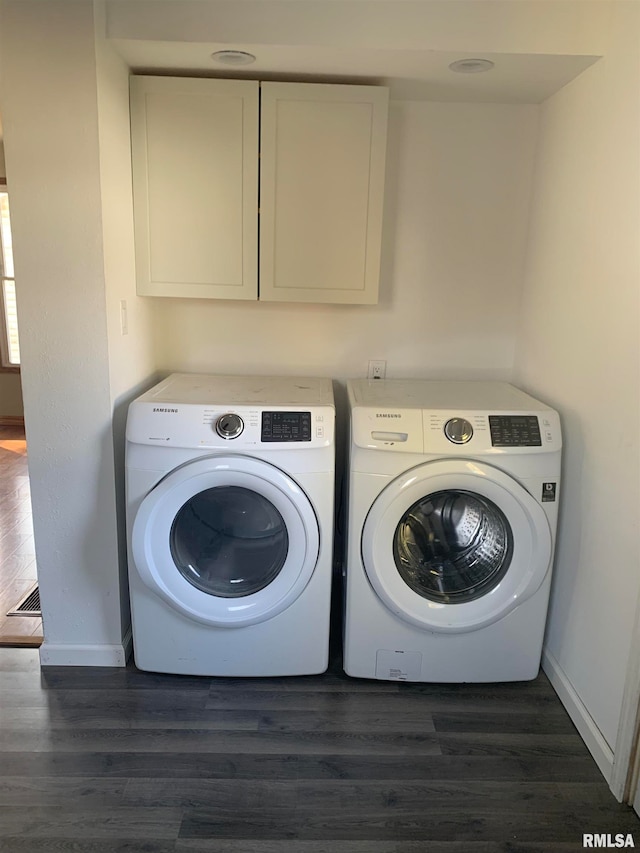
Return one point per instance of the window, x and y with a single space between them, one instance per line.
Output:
9 344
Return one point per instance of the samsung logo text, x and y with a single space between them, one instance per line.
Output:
168 411
386 415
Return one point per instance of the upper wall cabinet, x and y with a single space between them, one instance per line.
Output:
196 177
321 191
195 186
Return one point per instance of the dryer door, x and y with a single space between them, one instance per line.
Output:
454 545
226 540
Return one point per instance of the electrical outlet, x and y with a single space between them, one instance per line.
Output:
377 369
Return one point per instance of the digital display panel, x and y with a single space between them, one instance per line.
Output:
515 431
286 426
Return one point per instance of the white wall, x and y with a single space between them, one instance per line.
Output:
131 355
578 350
49 111
458 184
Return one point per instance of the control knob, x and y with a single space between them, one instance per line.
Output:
458 430
229 425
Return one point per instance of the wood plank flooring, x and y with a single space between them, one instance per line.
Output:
120 761
17 553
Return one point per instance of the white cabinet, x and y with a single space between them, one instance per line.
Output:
196 182
195 186
322 186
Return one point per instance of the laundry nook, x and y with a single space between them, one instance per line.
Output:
319 377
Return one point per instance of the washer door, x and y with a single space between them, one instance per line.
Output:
226 540
455 545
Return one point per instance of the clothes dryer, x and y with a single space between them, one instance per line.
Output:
230 485
452 513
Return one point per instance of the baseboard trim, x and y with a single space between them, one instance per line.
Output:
582 719
67 654
11 420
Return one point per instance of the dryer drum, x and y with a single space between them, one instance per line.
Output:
229 541
453 546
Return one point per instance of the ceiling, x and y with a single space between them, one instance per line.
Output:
537 46
409 74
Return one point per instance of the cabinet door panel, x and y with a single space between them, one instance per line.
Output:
194 149
322 181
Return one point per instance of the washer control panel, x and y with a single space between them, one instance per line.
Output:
474 433
286 426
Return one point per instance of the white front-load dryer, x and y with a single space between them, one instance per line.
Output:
230 485
452 513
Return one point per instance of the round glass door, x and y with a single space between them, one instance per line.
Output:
229 541
455 545
226 540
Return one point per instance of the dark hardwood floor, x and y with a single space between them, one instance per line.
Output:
121 761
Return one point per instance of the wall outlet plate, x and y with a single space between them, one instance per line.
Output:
377 369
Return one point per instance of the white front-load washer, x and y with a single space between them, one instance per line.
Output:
452 512
230 495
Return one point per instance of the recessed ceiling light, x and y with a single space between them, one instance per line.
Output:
233 57
471 66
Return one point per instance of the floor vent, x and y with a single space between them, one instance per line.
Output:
29 604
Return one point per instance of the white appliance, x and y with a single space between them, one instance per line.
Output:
453 502
230 484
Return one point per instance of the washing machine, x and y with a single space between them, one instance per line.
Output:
452 514
230 495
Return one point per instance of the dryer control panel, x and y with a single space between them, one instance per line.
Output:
286 426
238 427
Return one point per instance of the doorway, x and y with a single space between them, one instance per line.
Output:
20 620
18 572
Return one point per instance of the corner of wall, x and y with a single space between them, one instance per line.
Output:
580 716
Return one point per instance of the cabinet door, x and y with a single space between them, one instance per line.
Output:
322 183
195 183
